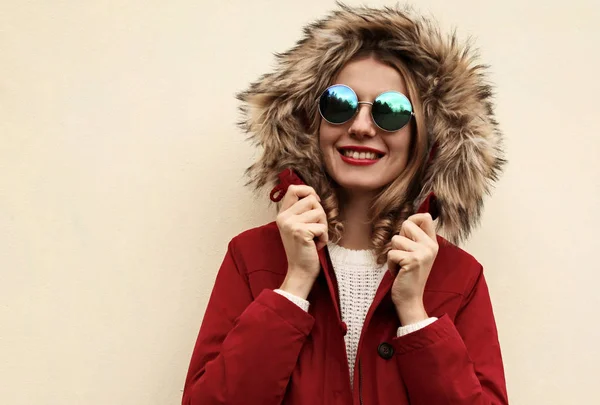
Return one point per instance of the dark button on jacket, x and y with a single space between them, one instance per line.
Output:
385 350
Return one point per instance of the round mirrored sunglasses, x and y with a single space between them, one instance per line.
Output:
390 111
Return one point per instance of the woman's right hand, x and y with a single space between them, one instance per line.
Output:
301 220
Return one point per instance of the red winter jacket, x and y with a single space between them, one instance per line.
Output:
255 347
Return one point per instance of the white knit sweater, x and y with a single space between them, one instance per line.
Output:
358 276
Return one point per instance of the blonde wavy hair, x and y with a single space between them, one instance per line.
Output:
394 203
454 107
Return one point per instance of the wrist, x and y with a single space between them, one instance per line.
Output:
411 312
297 285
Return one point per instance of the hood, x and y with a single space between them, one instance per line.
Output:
465 143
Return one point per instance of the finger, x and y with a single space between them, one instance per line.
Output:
318 231
414 232
295 193
307 203
315 215
396 259
425 222
403 243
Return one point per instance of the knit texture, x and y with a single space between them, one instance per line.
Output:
413 327
358 276
301 302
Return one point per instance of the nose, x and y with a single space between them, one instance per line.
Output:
362 124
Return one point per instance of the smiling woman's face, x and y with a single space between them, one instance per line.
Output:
368 77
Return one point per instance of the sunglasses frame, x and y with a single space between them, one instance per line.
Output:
412 113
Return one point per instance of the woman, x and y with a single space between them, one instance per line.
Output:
373 125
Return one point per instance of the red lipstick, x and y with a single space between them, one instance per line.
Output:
359 162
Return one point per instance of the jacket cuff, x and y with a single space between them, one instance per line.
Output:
286 310
301 302
439 330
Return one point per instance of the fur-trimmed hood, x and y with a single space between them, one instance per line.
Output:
464 138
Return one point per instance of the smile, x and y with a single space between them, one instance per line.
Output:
359 158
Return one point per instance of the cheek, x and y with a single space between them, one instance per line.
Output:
400 145
327 136
400 150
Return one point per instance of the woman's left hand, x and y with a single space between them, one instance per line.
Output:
410 260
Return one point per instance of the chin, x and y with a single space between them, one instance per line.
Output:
361 183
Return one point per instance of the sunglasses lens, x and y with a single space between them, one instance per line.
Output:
392 110
338 104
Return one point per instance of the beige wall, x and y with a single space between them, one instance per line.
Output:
121 184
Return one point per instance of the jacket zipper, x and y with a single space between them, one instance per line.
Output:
360 384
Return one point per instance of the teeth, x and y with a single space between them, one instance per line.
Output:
361 155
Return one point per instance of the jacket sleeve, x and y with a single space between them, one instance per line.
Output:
247 348
456 363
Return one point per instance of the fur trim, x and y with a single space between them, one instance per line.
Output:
455 94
